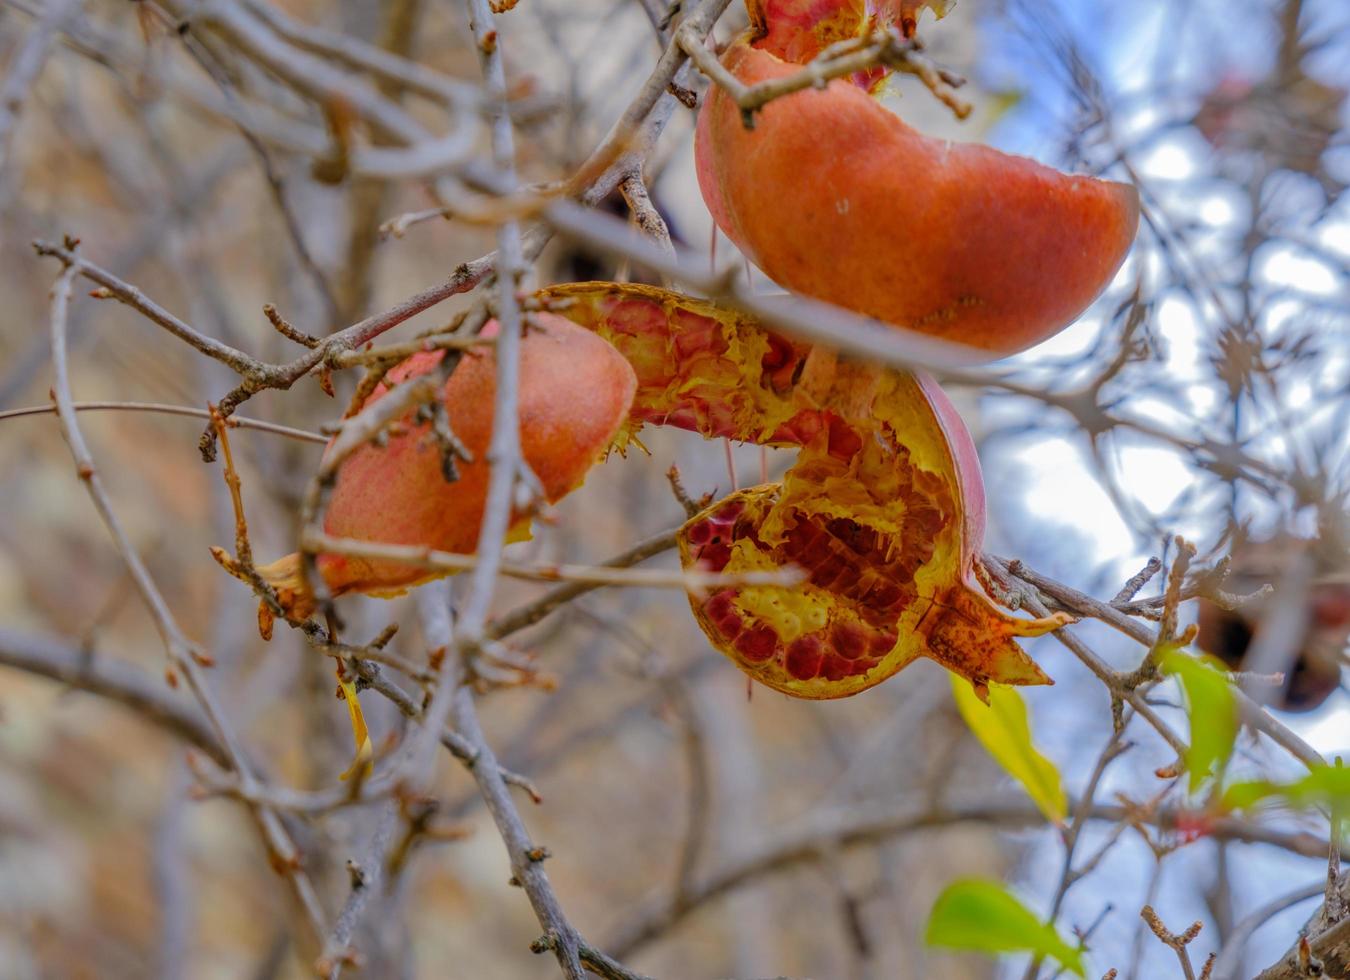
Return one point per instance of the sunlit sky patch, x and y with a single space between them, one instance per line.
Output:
1061 488
1285 266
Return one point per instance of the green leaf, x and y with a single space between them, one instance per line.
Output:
1004 730
979 915
1211 709
1244 795
1327 786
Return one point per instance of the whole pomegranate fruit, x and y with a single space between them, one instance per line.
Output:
574 398
834 196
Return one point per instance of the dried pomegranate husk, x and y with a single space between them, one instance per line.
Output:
883 508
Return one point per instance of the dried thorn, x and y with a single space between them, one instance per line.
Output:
685 96
450 832
670 15
1136 582
677 488
357 875
1176 941
283 326
1309 965
282 864
520 782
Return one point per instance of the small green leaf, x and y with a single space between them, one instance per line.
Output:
1243 795
1004 730
979 915
1211 709
1323 786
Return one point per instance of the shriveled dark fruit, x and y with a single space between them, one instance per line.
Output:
883 508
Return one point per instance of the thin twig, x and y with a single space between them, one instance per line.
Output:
184 655
235 421
592 575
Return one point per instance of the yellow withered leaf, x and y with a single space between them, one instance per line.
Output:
1003 728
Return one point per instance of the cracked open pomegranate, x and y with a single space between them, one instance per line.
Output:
883 508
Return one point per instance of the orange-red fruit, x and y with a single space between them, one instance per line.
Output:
574 397
835 197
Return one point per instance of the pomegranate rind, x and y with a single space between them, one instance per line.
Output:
835 197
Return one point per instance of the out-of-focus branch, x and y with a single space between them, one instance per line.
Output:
1229 960
1323 949
801 317
355 53
830 830
532 612
507 487
236 421
314 77
99 674
26 67
184 655
625 136
1077 602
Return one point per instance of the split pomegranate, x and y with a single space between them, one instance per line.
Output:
798 30
835 197
574 398
883 508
